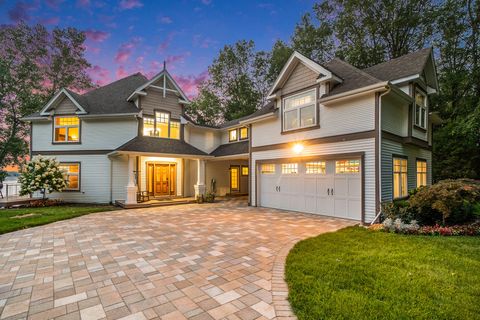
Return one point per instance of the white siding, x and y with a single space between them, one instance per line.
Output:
354 115
363 145
394 115
391 148
95 135
119 177
66 106
206 140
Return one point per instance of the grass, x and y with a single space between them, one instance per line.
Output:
359 274
16 219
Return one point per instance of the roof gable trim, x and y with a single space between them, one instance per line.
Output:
164 73
45 109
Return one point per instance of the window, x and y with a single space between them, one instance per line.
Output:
315 167
161 126
289 168
72 175
400 186
347 166
67 129
163 120
244 171
232 135
243 133
174 129
148 126
421 173
420 110
299 111
268 168
234 178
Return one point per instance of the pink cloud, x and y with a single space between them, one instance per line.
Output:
54 4
50 21
91 49
121 72
166 43
130 4
166 20
100 76
21 11
202 42
172 60
139 60
190 83
125 51
96 35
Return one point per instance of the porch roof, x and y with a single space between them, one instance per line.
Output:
231 149
160 145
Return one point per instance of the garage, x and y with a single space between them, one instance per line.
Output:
326 187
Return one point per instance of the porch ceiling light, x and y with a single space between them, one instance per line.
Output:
298 148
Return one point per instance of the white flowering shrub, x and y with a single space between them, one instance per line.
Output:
42 174
399 226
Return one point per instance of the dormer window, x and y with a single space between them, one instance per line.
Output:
420 109
66 129
299 111
161 126
232 135
243 133
148 126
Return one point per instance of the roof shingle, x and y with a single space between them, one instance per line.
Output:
229 149
160 145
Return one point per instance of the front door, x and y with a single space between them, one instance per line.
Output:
161 178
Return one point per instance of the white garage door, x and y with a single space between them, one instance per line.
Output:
327 187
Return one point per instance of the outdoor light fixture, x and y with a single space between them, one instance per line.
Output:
298 148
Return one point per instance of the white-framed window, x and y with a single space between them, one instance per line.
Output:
232 135
148 126
162 122
243 133
67 129
347 166
299 111
421 173
420 109
400 177
71 172
315 167
268 168
162 125
289 168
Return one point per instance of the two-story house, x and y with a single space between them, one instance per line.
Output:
332 140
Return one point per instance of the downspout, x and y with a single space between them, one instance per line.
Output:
379 160
111 180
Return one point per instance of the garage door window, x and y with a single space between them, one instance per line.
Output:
317 167
268 168
289 168
400 178
347 166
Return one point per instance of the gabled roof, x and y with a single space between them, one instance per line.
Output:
293 61
230 149
164 73
160 145
407 65
65 93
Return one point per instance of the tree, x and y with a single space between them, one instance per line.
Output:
237 86
42 174
34 63
278 57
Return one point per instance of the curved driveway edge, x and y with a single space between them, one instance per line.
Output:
211 261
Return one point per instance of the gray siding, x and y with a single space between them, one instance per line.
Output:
66 106
155 100
391 148
300 78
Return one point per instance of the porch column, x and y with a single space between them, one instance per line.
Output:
200 186
131 188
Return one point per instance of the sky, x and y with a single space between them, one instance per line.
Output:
129 36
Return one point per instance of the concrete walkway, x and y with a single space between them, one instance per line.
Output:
210 261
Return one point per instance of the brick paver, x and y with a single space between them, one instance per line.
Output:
210 261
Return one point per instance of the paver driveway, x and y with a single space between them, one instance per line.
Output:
191 261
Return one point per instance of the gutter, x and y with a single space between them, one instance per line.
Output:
259 118
371 88
108 115
159 154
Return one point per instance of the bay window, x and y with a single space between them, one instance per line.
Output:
66 129
400 176
161 126
299 111
420 109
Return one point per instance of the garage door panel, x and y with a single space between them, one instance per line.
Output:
354 209
354 187
310 204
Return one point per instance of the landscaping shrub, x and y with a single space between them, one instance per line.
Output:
397 226
44 203
398 209
447 202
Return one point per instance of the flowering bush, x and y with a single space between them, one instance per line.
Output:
399 226
41 174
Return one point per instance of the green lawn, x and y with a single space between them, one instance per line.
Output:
360 274
16 219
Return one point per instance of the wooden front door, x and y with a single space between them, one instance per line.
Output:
161 178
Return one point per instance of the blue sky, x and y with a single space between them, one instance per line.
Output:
127 36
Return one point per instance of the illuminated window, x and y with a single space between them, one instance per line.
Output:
315 167
234 178
289 168
243 133
71 172
299 111
174 129
148 126
347 166
268 168
244 171
421 173
400 188
163 120
232 135
67 129
420 110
